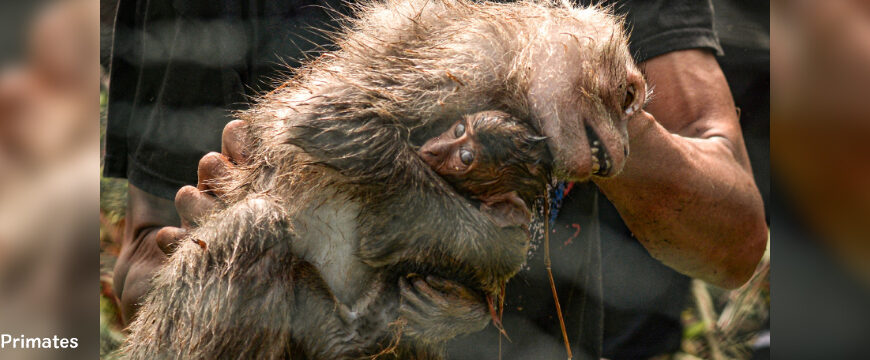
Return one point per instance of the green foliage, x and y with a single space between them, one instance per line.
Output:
113 198
110 337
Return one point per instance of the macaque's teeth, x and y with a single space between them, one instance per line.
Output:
595 150
607 164
596 144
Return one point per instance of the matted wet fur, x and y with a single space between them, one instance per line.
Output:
336 205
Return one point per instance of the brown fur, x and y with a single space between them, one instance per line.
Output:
336 204
509 164
508 157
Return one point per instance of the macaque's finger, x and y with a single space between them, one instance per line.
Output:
168 238
414 320
434 296
233 142
417 318
193 204
212 168
409 296
451 288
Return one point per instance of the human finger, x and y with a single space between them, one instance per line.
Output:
192 204
233 142
168 238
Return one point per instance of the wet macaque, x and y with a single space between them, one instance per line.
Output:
336 206
494 159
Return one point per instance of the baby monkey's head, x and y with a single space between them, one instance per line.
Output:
495 159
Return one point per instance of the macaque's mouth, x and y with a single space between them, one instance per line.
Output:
601 163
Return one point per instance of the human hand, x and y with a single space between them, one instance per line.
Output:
438 310
193 203
148 240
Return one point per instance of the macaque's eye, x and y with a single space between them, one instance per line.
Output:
466 156
629 99
459 130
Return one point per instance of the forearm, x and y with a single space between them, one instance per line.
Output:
687 190
691 207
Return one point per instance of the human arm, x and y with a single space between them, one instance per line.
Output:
687 191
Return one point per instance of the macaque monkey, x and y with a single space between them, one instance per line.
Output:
336 206
494 159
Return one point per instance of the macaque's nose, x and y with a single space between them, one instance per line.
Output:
433 151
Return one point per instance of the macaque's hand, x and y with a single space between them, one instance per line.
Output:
194 202
438 310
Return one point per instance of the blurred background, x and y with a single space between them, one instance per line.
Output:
820 157
816 184
49 163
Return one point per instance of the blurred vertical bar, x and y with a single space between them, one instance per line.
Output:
49 185
820 160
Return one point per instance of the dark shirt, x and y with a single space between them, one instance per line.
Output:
178 68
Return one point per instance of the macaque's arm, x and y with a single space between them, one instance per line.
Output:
434 308
687 191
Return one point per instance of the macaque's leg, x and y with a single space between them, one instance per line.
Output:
234 286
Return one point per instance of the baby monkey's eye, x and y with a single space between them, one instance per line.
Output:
459 130
629 99
466 156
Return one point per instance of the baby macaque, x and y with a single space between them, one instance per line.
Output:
494 159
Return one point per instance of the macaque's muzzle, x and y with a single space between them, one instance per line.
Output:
584 146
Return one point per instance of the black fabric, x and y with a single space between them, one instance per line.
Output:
662 26
179 67
643 297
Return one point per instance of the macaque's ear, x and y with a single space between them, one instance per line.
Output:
506 209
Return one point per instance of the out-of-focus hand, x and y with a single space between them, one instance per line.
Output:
438 310
148 239
140 257
193 203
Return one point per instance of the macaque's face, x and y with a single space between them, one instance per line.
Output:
484 156
454 153
583 93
